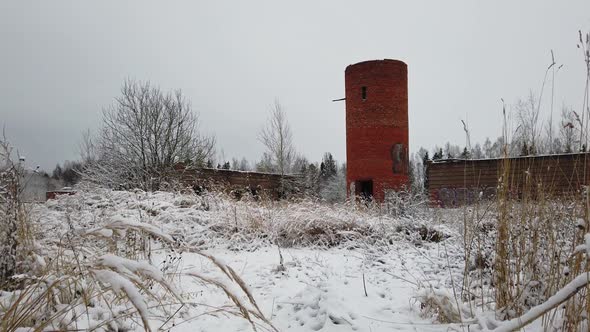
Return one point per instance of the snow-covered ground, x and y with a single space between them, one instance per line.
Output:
308 266
323 290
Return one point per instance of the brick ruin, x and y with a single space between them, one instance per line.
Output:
376 140
456 182
376 127
238 183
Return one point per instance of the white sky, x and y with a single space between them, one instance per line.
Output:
62 61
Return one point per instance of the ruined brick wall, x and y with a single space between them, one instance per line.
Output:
263 184
377 125
457 182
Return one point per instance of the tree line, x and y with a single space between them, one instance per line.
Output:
147 131
531 136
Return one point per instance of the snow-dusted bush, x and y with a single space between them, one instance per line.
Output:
14 226
519 253
95 268
213 220
334 188
406 203
142 135
249 224
441 305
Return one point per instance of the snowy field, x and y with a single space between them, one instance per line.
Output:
323 290
305 266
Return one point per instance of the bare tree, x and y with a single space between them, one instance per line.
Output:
477 152
244 164
417 172
278 140
265 164
86 147
235 164
527 113
333 190
451 151
487 148
497 149
143 135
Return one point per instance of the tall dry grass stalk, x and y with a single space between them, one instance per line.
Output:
15 230
520 248
523 248
102 278
82 287
537 231
502 274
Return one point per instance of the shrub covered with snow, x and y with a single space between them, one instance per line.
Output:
114 259
215 220
100 266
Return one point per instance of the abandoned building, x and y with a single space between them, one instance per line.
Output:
238 183
456 182
376 127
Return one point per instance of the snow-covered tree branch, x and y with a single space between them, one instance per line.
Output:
278 140
142 135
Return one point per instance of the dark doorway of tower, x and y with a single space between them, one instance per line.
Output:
365 189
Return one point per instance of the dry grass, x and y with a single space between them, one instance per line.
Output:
249 224
102 278
520 250
441 306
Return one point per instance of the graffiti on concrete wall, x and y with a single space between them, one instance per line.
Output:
454 197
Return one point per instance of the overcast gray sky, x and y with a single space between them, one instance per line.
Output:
61 62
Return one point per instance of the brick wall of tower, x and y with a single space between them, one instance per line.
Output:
377 126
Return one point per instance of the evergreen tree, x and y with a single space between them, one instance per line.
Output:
334 188
438 155
498 148
425 160
57 172
328 166
299 164
235 164
244 165
452 151
266 164
303 169
72 172
465 154
312 178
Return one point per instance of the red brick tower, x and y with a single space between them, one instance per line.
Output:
376 127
